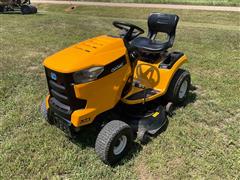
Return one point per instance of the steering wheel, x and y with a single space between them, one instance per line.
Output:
130 31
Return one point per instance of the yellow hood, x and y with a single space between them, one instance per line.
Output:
98 51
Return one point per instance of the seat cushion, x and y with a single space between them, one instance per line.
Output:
147 45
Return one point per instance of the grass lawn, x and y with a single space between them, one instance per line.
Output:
194 2
202 139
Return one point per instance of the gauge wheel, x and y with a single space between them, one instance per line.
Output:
169 108
46 113
179 87
143 136
114 141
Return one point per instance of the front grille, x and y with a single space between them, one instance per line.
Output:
62 100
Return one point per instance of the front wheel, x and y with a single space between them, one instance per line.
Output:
114 141
179 87
46 113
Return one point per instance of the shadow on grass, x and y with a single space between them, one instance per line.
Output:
88 135
136 148
192 96
16 12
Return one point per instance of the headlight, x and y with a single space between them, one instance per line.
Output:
87 75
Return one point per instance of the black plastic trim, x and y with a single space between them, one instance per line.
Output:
59 108
56 86
66 121
170 60
113 66
60 97
63 89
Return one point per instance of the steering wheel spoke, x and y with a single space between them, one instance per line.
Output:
131 30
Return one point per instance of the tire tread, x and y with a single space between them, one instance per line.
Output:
172 93
106 136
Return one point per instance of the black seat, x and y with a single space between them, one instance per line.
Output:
157 22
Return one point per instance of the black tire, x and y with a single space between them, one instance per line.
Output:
25 9
169 108
143 137
110 138
2 9
45 113
174 94
33 9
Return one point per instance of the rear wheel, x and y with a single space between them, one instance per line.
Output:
33 9
114 141
2 9
179 87
28 9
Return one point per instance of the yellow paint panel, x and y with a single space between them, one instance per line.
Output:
98 51
101 95
47 104
151 76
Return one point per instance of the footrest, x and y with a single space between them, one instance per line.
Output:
143 94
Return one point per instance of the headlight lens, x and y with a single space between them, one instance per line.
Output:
87 75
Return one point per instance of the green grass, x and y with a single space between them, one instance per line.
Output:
194 2
202 139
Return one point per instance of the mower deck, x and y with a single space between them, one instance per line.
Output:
146 120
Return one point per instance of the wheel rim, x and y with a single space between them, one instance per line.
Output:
120 145
183 89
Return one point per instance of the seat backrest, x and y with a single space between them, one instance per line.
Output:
165 23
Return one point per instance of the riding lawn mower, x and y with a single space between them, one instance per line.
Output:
17 5
125 85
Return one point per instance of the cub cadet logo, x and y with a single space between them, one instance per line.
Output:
117 67
53 76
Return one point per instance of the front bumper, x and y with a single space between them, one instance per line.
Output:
70 118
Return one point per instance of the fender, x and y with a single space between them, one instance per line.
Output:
155 77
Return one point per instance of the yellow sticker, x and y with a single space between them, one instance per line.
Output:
155 114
